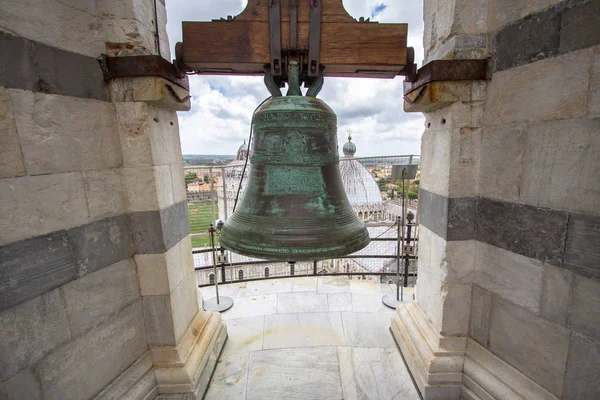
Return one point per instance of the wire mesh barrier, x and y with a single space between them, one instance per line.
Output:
373 194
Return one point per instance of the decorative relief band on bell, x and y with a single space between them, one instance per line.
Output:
294 159
285 119
293 181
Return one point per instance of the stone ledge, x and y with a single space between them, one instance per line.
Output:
132 383
193 376
154 90
437 371
488 377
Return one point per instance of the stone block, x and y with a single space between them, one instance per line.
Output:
435 161
184 305
128 9
179 187
479 324
433 212
464 166
514 277
128 37
451 262
134 129
582 247
164 135
517 228
33 267
74 27
532 38
160 274
536 347
502 149
581 380
536 91
69 74
107 351
23 386
25 216
560 164
30 331
594 99
97 297
104 193
187 259
64 134
158 319
11 159
141 192
164 185
577 28
175 223
18 64
503 12
462 219
557 284
101 243
585 307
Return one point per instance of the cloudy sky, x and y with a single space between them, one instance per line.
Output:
219 120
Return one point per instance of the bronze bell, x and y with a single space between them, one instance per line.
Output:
294 207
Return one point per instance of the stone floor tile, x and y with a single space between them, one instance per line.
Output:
305 374
369 303
367 329
229 379
269 286
364 286
303 330
301 302
374 374
253 306
339 302
333 284
304 284
244 335
231 290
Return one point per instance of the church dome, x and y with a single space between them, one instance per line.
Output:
242 152
360 186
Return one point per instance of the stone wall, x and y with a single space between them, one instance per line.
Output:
97 288
510 203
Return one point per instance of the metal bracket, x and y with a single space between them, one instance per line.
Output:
275 36
133 66
314 49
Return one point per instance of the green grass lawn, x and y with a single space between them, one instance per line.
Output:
201 216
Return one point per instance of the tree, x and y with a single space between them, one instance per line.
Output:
190 177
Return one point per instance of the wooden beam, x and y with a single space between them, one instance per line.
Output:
348 48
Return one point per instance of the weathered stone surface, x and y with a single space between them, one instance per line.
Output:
582 247
594 99
23 386
479 324
134 131
101 243
158 318
585 307
11 160
33 267
104 192
531 344
74 27
107 351
503 12
137 382
536 91
577 28
465 155
560 165
433 212
64 134
141 193
301 302
25 216
449 262
367 329
175 223
462 218
230 378
31 330
556 294
581 380
17 64
512 276
502 149
435 161
178 180
303 330
184 305
532 38
164 186
157 231
187 259
138 37
526 230
160 273
97 297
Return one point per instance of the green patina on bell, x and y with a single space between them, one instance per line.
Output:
294 207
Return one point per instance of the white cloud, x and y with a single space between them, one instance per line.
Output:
222 106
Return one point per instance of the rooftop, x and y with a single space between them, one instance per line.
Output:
309 338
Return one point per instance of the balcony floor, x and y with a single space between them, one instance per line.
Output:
309 338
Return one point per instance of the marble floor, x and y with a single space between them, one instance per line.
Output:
309 338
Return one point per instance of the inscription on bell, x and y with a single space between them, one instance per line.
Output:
293 181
